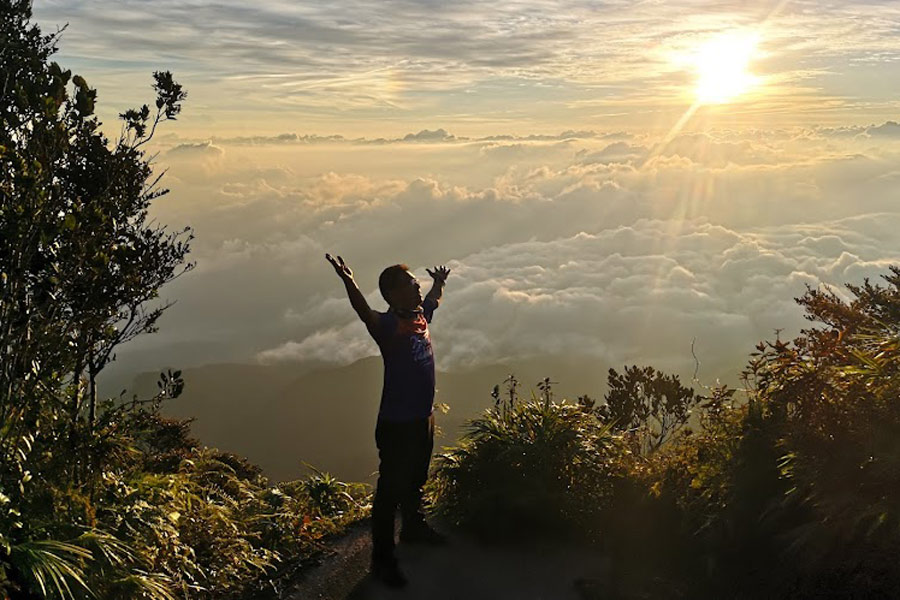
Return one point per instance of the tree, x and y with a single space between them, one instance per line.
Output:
649 403
80 263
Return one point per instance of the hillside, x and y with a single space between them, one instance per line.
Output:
278 415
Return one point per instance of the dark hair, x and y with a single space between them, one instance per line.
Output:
390 279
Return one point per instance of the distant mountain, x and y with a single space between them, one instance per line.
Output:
280 415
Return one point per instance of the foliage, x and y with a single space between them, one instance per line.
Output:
793 493
788 490
648 405
327 496
103 497
832 394
526 468
212 526
79 261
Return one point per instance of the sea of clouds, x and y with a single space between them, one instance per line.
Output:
609 245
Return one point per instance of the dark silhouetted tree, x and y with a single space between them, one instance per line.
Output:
648 403
80 262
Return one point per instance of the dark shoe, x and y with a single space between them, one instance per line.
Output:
388 573
422 534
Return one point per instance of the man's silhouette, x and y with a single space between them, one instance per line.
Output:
405 430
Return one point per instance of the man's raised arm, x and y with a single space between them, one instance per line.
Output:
357 300
439 275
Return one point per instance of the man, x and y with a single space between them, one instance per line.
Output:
404 434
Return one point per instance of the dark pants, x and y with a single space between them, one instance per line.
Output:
404 451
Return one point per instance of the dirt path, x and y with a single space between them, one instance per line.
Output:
462 570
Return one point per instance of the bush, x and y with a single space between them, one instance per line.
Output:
793 493
833 396
528 468
211 527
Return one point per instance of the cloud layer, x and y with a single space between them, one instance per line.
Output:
615 246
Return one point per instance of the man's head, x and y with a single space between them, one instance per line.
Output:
400 287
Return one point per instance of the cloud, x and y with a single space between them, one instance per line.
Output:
604 247
704 149
425 135
533 137
622 152
521 64
283 138
523 151
197 150
890 129
341 346
438 135
638 293
195 161
838 132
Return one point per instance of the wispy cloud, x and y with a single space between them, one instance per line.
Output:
544 62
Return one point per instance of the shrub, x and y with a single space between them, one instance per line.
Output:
793 493
832 394
528 468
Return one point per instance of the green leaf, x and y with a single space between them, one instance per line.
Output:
51 563
113 550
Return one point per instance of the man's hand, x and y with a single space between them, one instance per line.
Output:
340 267
439 274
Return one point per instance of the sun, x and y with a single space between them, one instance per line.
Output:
722 67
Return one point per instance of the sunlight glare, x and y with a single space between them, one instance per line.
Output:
721 65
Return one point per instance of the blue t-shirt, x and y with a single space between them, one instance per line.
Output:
405 344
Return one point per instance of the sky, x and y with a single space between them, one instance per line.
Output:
378 68
605 179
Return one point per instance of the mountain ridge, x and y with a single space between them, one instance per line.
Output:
281 416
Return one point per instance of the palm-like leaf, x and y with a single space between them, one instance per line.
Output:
51 565
141 584
114 551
